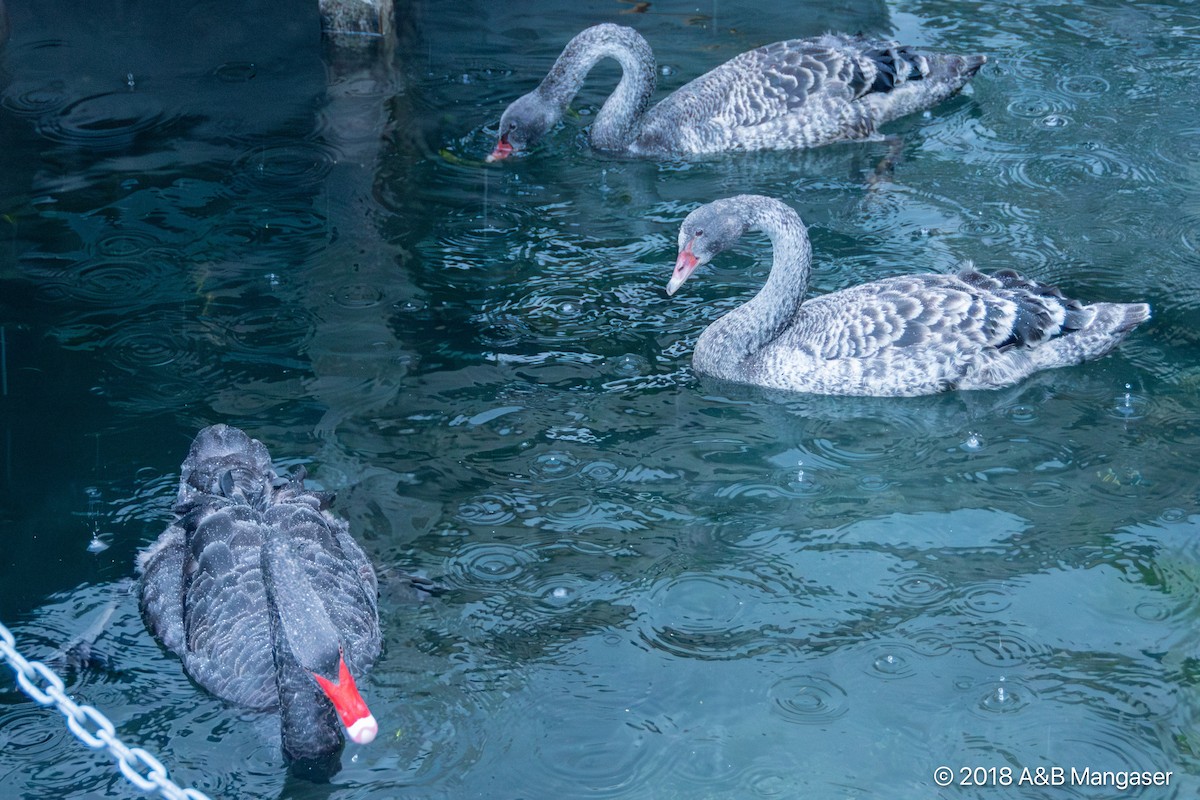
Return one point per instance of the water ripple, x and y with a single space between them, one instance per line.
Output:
808 699
554 314
1003 697
919 589
704 616
236 71
279 333
484 564
602 758
136 347
279 227
879 441
1005 646
29 731
985 598
1070 170
287 164
703 758
121 284
110 121
357 295
892 660
126 244
36 101
1083 85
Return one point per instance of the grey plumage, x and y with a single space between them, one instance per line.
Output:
256 587
792 94
901 336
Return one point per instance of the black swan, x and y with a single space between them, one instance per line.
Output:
264 595
902 336
787 95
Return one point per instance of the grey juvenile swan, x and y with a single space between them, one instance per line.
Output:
263 594
787 95
902 336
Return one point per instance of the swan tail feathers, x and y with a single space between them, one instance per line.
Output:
1109 323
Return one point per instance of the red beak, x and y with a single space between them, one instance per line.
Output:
503 150
349 704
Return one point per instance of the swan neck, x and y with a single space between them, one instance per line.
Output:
745 331
308 721
616 124
787 282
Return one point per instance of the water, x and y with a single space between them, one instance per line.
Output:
658 586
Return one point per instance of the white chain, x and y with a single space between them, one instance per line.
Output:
89 725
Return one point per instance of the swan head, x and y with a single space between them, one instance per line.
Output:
528 119
707 231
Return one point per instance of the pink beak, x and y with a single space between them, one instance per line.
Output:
503 150
685 265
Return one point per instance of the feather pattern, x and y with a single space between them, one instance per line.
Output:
257 587
791 94
900 336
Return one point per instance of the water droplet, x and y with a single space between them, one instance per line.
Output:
410 306
129 81
553 464
1022 413
92 492
873 483
630 364
97 545
1172 515
1128 405
667 70
973 442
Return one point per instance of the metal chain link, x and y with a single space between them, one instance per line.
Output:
89 725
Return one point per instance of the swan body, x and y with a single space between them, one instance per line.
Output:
793 94
263 594
901 336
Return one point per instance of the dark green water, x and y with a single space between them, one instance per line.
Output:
658 587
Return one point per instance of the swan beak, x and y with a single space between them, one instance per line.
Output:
503 150
360 723
685 265
363 730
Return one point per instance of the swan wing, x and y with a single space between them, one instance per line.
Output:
227 647
920 313
828 74
339 574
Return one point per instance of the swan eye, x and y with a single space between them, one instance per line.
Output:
699 232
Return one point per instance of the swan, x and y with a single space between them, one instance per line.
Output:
264 595
793 94
902 336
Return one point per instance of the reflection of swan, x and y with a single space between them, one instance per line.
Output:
793 94
903 336
264 595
